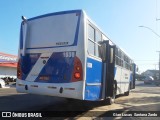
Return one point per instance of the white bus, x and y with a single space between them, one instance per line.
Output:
65 54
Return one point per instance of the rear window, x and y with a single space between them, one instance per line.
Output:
57 30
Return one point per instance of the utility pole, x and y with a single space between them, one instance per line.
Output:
159 64
159 37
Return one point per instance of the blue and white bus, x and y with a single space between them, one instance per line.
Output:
65 54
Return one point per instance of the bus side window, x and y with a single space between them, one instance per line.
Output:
98 38
90 47
94 37
91 44
97 50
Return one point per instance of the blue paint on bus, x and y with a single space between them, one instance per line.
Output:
27 63
58 69
21 38
93 93
94 72
93 76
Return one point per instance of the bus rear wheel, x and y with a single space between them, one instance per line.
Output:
127 93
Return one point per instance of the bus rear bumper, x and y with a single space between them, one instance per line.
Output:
67 90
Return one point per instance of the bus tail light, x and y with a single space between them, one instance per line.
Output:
19 71
77 68
77 74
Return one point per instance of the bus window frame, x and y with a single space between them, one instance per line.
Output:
96 44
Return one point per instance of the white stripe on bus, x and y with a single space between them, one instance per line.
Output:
38 67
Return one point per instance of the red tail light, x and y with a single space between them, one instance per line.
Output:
77 74
19 71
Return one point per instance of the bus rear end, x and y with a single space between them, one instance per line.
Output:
51 55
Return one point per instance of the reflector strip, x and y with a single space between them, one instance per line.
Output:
21 85
52 87
69 88
44 57
34 85
44 78
19 71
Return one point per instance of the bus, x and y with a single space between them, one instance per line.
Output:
65 54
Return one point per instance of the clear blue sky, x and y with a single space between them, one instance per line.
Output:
119 19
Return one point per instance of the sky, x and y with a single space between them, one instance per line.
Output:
119 19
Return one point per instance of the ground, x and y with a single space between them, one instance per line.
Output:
143 98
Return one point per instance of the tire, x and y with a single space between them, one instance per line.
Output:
127 93
0 86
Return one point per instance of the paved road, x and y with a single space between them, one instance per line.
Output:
143 98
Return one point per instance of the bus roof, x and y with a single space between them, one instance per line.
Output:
55 13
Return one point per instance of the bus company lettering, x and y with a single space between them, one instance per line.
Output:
62 43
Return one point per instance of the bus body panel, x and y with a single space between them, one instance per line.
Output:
93 89
123 78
